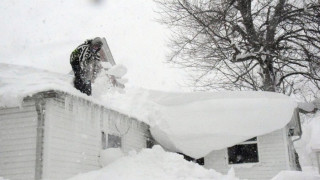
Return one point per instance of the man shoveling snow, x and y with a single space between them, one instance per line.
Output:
91 58
85 62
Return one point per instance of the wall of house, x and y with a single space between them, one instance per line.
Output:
73 135
18 132
134 134
273 157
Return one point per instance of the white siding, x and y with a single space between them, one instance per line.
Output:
273 157
133 133
18 131
72 136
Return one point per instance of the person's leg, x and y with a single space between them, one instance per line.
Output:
87 88
77 82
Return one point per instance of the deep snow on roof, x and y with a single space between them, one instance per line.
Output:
191 123
18 82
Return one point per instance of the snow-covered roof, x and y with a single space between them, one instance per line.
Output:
191 123
18 82
197 123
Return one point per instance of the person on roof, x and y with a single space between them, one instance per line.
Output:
85 62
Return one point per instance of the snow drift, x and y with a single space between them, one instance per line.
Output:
190 123
110 155
153 164
295 175
197 123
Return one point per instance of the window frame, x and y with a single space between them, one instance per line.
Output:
249 164
104 144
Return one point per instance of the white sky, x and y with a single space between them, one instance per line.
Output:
42 34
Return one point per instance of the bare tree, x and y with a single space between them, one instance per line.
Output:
269 45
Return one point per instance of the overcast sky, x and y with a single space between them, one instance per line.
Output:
43 33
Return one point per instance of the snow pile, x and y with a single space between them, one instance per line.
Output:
18 82
315 134
110 79
295 175
314 130
154 164
197 123
190 123
310 106
117 71
309 143
110 155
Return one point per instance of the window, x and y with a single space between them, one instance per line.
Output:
114 141
246 152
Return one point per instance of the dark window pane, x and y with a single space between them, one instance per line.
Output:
245 153
150 143
199 161
252 139
114 141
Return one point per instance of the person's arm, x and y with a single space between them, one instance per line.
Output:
74 55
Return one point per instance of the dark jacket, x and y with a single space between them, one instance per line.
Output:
85 63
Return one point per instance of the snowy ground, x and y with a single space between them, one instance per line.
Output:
154 164
309 142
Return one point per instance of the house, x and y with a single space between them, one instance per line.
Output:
51 130
253 132
55 135
260 157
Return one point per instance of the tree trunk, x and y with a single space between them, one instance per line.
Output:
269 78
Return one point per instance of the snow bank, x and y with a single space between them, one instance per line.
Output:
110 155
309 143
191 123
314 143
153 164
295 175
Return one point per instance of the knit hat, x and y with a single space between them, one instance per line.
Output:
96 44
